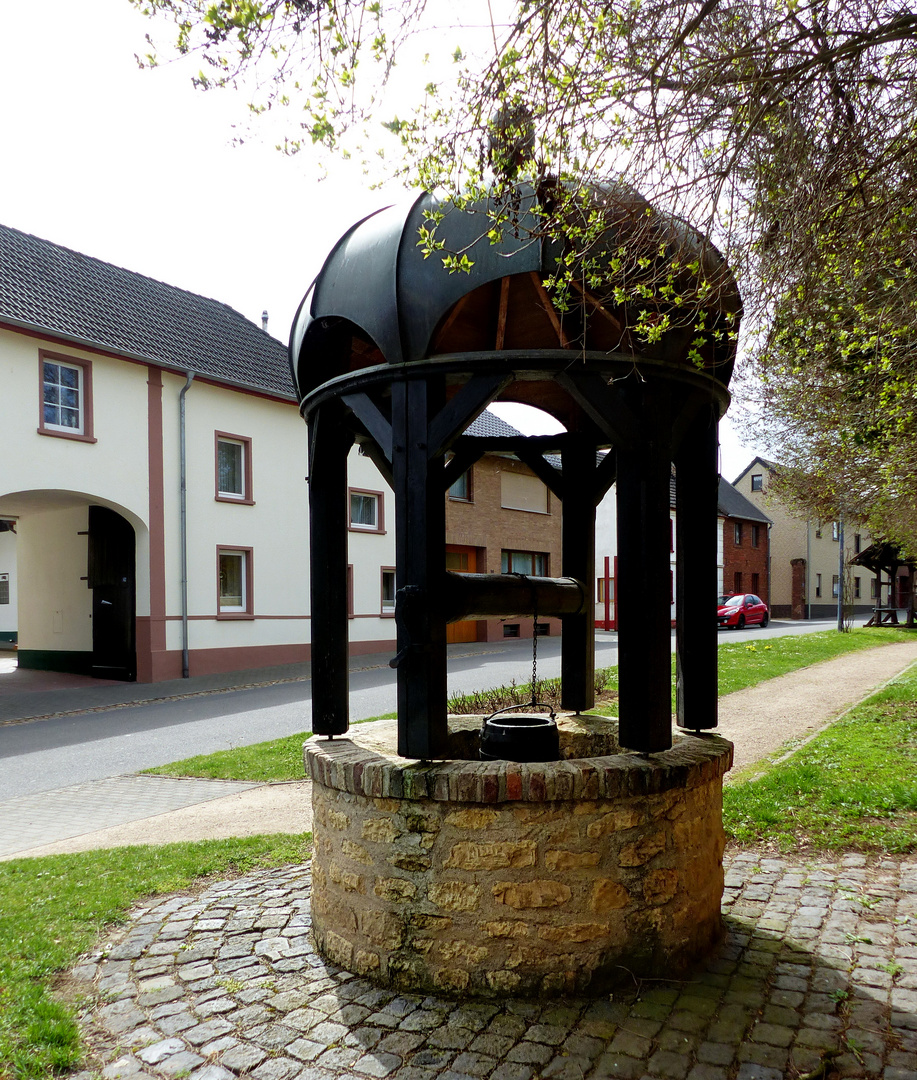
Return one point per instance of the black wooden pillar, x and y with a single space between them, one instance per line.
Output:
578 557
329 442
696 494
420 542
644 587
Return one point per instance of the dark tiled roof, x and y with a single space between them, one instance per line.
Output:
489 425
733 504
771 466
46 287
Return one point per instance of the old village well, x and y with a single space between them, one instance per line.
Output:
434 870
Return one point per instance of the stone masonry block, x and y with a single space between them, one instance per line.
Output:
506 929
503 855
472 818
454 895
614 822
641 851
608 895
398 890
531 894
570 860
659 886
573 932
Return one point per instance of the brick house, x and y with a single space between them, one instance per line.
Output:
500 518
746 543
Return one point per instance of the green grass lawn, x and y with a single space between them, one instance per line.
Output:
854 786
744 664
740 665
54 908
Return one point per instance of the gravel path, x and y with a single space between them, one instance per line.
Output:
763 718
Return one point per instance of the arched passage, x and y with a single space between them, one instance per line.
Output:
76 582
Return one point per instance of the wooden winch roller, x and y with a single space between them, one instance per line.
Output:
504 596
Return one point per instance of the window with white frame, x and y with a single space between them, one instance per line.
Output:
366 510
818 584
234 581
835 531
233 468
66 397
388 590
835 585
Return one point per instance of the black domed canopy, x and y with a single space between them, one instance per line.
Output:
377 299
392 351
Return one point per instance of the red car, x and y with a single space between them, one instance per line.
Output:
742 609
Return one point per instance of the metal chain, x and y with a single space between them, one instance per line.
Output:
534 645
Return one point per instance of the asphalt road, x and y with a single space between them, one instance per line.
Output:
50 754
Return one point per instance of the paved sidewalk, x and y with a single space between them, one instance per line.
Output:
34 820
819 965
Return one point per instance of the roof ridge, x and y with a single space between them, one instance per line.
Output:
67 294
133 273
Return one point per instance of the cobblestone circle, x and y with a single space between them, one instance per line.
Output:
819 966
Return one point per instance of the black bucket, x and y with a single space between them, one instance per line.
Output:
520 737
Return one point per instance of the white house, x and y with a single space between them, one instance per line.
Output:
118 393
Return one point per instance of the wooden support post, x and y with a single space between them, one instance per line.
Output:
420 542
642 598
329 442
577 664
696 493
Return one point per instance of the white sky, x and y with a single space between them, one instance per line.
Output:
137 168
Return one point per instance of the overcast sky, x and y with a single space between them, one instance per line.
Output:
137 168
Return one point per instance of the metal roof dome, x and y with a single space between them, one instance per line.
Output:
378 300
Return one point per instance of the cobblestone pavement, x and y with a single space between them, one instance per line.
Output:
819 965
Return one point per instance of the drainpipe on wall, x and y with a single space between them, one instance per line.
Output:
808 565
769 527
183 526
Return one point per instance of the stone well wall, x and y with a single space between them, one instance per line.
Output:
488 878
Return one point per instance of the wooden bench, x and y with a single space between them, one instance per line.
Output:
884 616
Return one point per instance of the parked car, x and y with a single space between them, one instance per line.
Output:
742 609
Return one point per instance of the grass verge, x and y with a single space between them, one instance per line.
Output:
854 786
741 664
747 663
264 762
54 908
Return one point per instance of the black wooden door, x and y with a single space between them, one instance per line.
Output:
112 580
